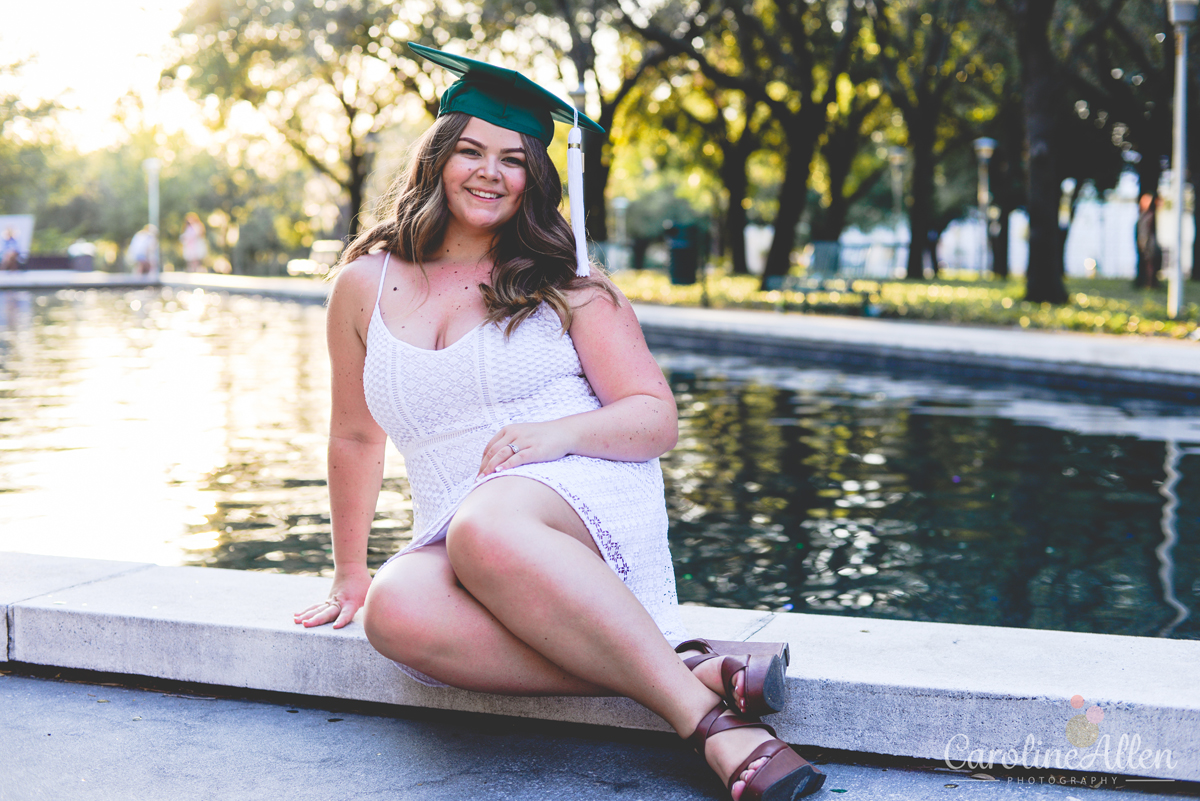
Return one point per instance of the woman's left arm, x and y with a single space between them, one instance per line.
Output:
637 419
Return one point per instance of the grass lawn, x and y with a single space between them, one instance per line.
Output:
1099 305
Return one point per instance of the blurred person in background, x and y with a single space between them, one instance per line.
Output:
143 251
10 251
194 243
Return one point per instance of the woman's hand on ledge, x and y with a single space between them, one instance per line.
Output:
347 596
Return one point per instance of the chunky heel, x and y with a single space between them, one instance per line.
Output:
764 688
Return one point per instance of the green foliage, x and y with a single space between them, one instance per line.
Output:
329 76
34 165
1103 306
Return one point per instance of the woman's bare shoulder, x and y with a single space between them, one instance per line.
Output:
360 275
358 282
600 299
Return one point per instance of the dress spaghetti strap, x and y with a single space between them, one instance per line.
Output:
382 277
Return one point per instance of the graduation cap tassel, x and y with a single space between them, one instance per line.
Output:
575 196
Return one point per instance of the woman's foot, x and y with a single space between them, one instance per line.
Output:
738 748
726 751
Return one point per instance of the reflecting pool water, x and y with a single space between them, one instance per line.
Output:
189 428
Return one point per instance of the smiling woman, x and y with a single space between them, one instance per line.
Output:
468 329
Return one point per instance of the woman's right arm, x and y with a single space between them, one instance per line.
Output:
356 444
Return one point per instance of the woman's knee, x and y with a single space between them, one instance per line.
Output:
400 618
478 537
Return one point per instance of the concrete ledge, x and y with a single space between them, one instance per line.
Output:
887 687
25 576
69 279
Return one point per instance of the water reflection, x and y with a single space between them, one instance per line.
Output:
189 428
873 496
1164 552
179 428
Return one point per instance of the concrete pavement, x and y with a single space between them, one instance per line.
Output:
88 742
903 688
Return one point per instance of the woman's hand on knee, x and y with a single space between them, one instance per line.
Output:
525 443
346 597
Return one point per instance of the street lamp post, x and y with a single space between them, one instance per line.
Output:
152 167
897 156
1183 14
984 148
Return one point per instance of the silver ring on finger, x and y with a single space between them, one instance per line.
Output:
514 448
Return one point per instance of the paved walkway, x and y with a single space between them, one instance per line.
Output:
1168 356
87 742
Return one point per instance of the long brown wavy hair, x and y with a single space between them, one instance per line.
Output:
533 254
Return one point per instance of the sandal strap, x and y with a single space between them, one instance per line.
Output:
768 749
698 644
700 735
716 721
694 662
730 667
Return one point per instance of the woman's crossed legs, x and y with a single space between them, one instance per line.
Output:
517 601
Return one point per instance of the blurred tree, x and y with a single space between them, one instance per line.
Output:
848 164
573 30
729 130
929 52
1121 75
786 57
328 76
34 161
1006 174
1044 99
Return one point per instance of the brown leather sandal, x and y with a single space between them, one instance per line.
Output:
784 777
764 688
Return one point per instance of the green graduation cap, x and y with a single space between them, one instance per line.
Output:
502 97
510 100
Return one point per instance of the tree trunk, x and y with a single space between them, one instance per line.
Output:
1044 98
832 220
735 220
839 151
595 181
920 216
354 188
733 175
793 195
935 239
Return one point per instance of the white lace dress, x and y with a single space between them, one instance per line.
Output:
440 408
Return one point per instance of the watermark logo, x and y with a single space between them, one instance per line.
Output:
1083 730
1092 750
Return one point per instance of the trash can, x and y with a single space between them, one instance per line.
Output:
682 241
82 256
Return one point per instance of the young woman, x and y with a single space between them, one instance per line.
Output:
531 416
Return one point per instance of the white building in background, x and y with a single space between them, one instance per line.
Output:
1101 241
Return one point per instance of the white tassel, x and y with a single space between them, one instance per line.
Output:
575 196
